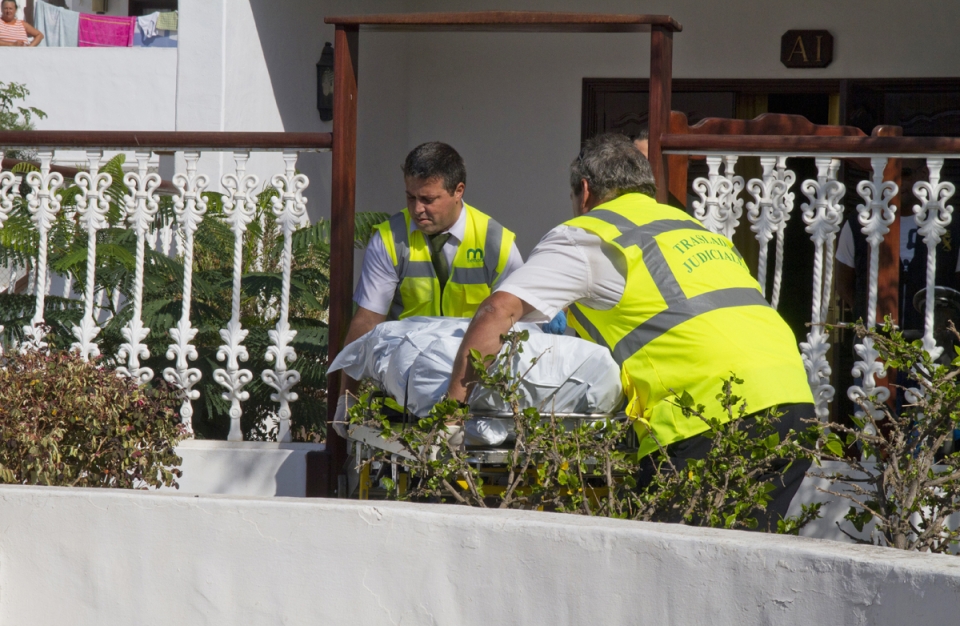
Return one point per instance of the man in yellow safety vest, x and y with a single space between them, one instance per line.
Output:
674 303
438 256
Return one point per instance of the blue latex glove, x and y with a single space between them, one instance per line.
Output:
557 325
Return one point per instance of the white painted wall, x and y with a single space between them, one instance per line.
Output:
90 556
97 88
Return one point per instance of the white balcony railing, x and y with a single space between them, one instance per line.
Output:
98 203
770 211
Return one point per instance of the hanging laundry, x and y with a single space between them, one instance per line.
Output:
148 24
168 20
106 31
60 27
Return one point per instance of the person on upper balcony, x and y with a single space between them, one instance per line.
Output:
673 302
439 256
14 32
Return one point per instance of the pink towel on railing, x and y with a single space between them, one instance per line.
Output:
106 31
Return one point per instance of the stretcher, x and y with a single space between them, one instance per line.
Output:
410 361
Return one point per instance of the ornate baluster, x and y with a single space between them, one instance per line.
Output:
189 208
764 213
141 205
823 216
732 203
240 209
711 209
43 203
875 217
933 217
784 204
289 209
7 181
92 204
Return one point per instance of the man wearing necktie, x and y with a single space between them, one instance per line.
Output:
437 257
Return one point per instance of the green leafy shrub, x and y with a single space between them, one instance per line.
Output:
591 468
67 422
908 483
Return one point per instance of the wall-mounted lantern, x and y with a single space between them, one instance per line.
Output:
325 83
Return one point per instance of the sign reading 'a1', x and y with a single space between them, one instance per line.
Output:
806 48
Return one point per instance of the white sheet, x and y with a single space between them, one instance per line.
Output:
411 360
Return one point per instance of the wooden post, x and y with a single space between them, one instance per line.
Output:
678 164
661 79
342 201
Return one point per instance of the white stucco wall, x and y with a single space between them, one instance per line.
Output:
75 556
97 88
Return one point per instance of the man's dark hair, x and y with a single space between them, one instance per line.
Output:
612 167
2 2
436 160
642 135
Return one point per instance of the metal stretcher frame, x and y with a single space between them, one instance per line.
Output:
344 172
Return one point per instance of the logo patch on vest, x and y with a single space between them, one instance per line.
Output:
475 255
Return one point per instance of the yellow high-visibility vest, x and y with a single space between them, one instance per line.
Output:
479 261
691 314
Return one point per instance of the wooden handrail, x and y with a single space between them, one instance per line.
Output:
160 140
510 21
794 145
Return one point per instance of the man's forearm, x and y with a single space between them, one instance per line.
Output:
494 318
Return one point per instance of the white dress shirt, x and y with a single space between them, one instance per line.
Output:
568 265
378 278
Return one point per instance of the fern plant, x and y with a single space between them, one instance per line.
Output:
210 306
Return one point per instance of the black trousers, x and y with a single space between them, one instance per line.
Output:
786 484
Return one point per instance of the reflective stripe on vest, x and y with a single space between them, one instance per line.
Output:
474 270
680 308
690 315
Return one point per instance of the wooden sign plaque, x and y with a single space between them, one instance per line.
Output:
806 48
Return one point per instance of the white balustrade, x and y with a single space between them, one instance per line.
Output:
289 208
933 216
784 205
189 207
43 202
875 217
823 216
92 205
240 209
712 209
141 205
7 181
